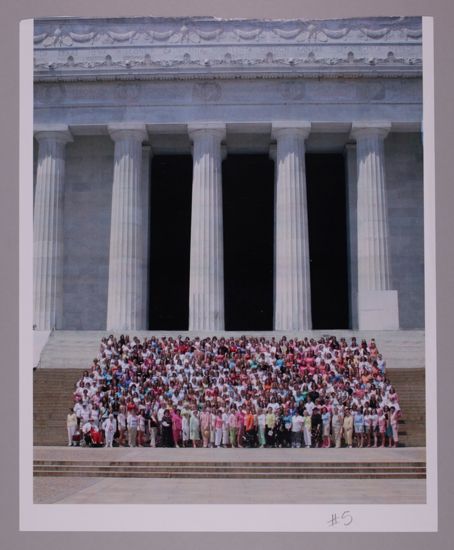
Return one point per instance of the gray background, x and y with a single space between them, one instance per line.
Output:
12 11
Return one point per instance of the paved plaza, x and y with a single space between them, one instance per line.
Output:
84 490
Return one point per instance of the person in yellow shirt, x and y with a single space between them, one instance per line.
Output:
270 426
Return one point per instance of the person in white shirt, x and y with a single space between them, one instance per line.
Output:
110 427
121 421
261 422
309 406
85 414
86 431
225 428
71 425
297 428
132 428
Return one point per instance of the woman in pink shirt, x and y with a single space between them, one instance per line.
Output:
177 425
233 427
218 425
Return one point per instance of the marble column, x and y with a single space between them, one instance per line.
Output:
273 157
352 232
48 228
377 302
147 156
206 286
126 304
292 307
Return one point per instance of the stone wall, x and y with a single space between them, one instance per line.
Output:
404 173
87 211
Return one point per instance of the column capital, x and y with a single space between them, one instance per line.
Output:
207 128
291 127
57 132
148 150
372 128
128 130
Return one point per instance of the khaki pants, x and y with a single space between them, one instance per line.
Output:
337 436
233 436
132 434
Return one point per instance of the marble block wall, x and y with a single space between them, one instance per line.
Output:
404 174
87 212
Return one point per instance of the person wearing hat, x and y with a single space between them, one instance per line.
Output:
86 431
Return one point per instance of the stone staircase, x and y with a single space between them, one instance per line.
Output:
52 397
76 349
410 385
68 353
232 470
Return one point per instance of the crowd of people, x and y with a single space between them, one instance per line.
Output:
235 392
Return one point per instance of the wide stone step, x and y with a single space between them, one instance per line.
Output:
231 470
227 464
171 475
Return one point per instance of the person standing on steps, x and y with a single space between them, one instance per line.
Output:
71 426
194 428
347 428
132 428
336 423
166 429
110 427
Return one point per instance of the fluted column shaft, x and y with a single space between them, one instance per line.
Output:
206 286
126 262
373 253
292 310
147 155
48 229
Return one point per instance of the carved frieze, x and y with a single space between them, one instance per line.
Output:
57 33
209 47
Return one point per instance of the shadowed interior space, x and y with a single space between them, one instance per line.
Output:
170 231
248 203
326 198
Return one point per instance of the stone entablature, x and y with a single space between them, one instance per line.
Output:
204 47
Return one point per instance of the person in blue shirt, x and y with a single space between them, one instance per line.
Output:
358 425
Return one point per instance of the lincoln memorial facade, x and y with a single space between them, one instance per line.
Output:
190 171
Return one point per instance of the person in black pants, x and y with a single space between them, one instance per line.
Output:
316 427
166 429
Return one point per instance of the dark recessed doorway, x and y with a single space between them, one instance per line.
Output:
170 229
248 205
326 194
